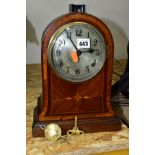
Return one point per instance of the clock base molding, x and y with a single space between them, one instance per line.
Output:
88 125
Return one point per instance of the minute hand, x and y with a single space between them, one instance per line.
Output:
71 40
77 51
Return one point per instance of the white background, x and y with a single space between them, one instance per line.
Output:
13 78
115 13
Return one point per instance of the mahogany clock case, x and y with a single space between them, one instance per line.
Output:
61 101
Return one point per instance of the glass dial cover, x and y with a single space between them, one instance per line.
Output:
77 52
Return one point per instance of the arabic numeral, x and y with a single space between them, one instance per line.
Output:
94 63
68 69
61 63
58 53
77 71
87 69
61 42
97 53
78 32
95 42
69 35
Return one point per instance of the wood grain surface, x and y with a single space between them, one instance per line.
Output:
90 143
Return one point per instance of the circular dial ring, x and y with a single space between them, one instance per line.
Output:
68 57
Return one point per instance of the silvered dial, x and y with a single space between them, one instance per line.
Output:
77 52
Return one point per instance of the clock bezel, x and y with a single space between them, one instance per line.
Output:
58 32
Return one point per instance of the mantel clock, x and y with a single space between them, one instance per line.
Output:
77 59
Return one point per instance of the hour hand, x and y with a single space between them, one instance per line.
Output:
90 50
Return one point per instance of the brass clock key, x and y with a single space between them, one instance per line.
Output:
75 130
